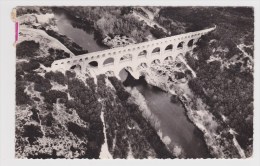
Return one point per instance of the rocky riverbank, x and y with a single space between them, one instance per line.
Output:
196 110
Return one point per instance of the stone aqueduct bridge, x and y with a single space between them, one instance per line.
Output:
132 57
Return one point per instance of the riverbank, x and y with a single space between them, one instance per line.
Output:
48 23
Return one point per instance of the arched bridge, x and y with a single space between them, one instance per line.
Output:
132 57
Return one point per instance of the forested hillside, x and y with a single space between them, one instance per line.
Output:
223 61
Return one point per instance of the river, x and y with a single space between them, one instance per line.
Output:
173 120
79 36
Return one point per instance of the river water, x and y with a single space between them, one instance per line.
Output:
79 36
173 120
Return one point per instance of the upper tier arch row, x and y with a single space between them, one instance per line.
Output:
182 38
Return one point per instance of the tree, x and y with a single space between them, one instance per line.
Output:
32 132
126 10
121 93
27 49
30 66
21 96
77 130
195 86
158 33
70 74
51 96
57 77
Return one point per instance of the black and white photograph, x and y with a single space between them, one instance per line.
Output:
133 82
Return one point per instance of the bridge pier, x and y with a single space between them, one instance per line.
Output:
135 74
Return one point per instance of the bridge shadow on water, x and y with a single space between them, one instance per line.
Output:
130 81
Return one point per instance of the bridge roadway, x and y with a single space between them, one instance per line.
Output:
132 57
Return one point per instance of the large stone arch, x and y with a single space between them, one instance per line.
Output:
190 43
76 66
127 57
93 64
109 61
123 72
180 45
127 68
169 47
156 50
156 61
143 53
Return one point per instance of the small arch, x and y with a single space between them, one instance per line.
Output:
190 43
127 57
93 64
156 61
142 53
169 47
168 58
180 45
108 61
156 50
